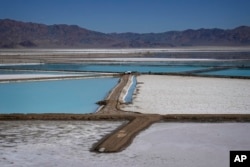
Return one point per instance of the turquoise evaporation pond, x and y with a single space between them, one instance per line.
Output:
61 96
244 72
110 67
3 71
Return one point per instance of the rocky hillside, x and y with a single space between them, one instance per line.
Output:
16 34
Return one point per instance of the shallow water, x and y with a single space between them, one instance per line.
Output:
245 72
61 96
129 97
143 68
3 71
177 66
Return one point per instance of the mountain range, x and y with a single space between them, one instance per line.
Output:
17 34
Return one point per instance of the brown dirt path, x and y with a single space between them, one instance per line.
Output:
123 137
112 101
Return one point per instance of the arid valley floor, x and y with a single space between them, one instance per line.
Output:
172 121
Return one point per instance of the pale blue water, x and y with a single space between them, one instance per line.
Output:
143 68
245 72
3 71
129 96
62 96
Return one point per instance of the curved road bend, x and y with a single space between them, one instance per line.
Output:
122 137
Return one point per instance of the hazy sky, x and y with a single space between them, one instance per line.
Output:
131 15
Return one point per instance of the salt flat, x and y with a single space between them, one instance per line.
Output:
67 143
189 144
119 51
190 95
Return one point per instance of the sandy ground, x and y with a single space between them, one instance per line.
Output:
127 50
190 95
81 55
67 143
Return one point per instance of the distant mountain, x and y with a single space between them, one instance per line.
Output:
16 34
19 34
